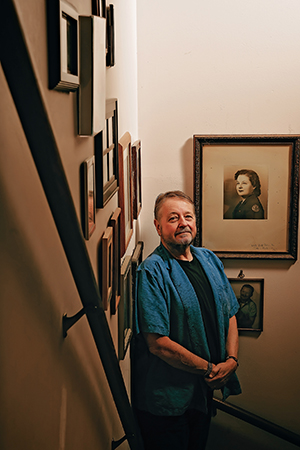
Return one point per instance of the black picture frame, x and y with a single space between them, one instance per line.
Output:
125 311
88 197
110 36
63 46
250 315
99 8
277 159
136 151
106 156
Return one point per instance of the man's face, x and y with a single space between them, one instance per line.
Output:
245 293
176 224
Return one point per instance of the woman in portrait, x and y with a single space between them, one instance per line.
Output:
248 188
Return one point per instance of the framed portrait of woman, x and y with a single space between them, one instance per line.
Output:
246 191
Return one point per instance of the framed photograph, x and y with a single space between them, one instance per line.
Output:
125 191
114 222
250 295
99 8
125 317
107 260
92 88
106 156
136 259
63 46
88 194
136 179
246 191
110 36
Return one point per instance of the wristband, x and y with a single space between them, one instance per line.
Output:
234 358
208 370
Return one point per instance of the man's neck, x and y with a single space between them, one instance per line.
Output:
180 252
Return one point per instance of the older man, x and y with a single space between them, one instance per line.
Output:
187 338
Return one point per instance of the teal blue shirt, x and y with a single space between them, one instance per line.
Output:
167 304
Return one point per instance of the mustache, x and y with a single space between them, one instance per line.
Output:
184 230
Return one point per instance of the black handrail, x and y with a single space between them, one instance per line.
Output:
257 421
21 79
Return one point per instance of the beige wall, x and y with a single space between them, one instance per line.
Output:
54 393
226 68
203 67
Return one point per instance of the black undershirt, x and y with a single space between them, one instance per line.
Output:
202 287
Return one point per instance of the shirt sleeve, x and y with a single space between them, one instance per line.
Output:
152 304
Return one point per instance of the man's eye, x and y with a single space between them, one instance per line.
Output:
173 218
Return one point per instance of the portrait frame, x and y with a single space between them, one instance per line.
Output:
106 156
125 191
88 197
114 222
257 297
277 157
107 264
63 46
136 178
125 316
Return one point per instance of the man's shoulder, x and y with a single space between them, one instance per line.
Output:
159 256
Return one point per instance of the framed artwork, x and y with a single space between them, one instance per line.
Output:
125 317
125 191
92 88
250 295
246 191
106 156
99 8
136 259
63 46
136 179
110 36
107 260
114 222
88 193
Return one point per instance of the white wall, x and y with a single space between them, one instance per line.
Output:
55 394
225 68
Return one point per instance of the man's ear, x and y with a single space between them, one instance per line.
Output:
157 226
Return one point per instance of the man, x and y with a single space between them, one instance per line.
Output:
248 310
187 338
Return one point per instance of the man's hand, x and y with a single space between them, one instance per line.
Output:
221 373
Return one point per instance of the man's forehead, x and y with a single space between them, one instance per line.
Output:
175 205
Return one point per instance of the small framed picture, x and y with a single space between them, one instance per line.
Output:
125 318
137 258
250 295
63 46
136 179
107 259
110 36
88 193
125 191
114 222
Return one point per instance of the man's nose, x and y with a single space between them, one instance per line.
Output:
183 222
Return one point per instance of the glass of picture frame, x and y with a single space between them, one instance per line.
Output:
88 193
125 191
250 295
